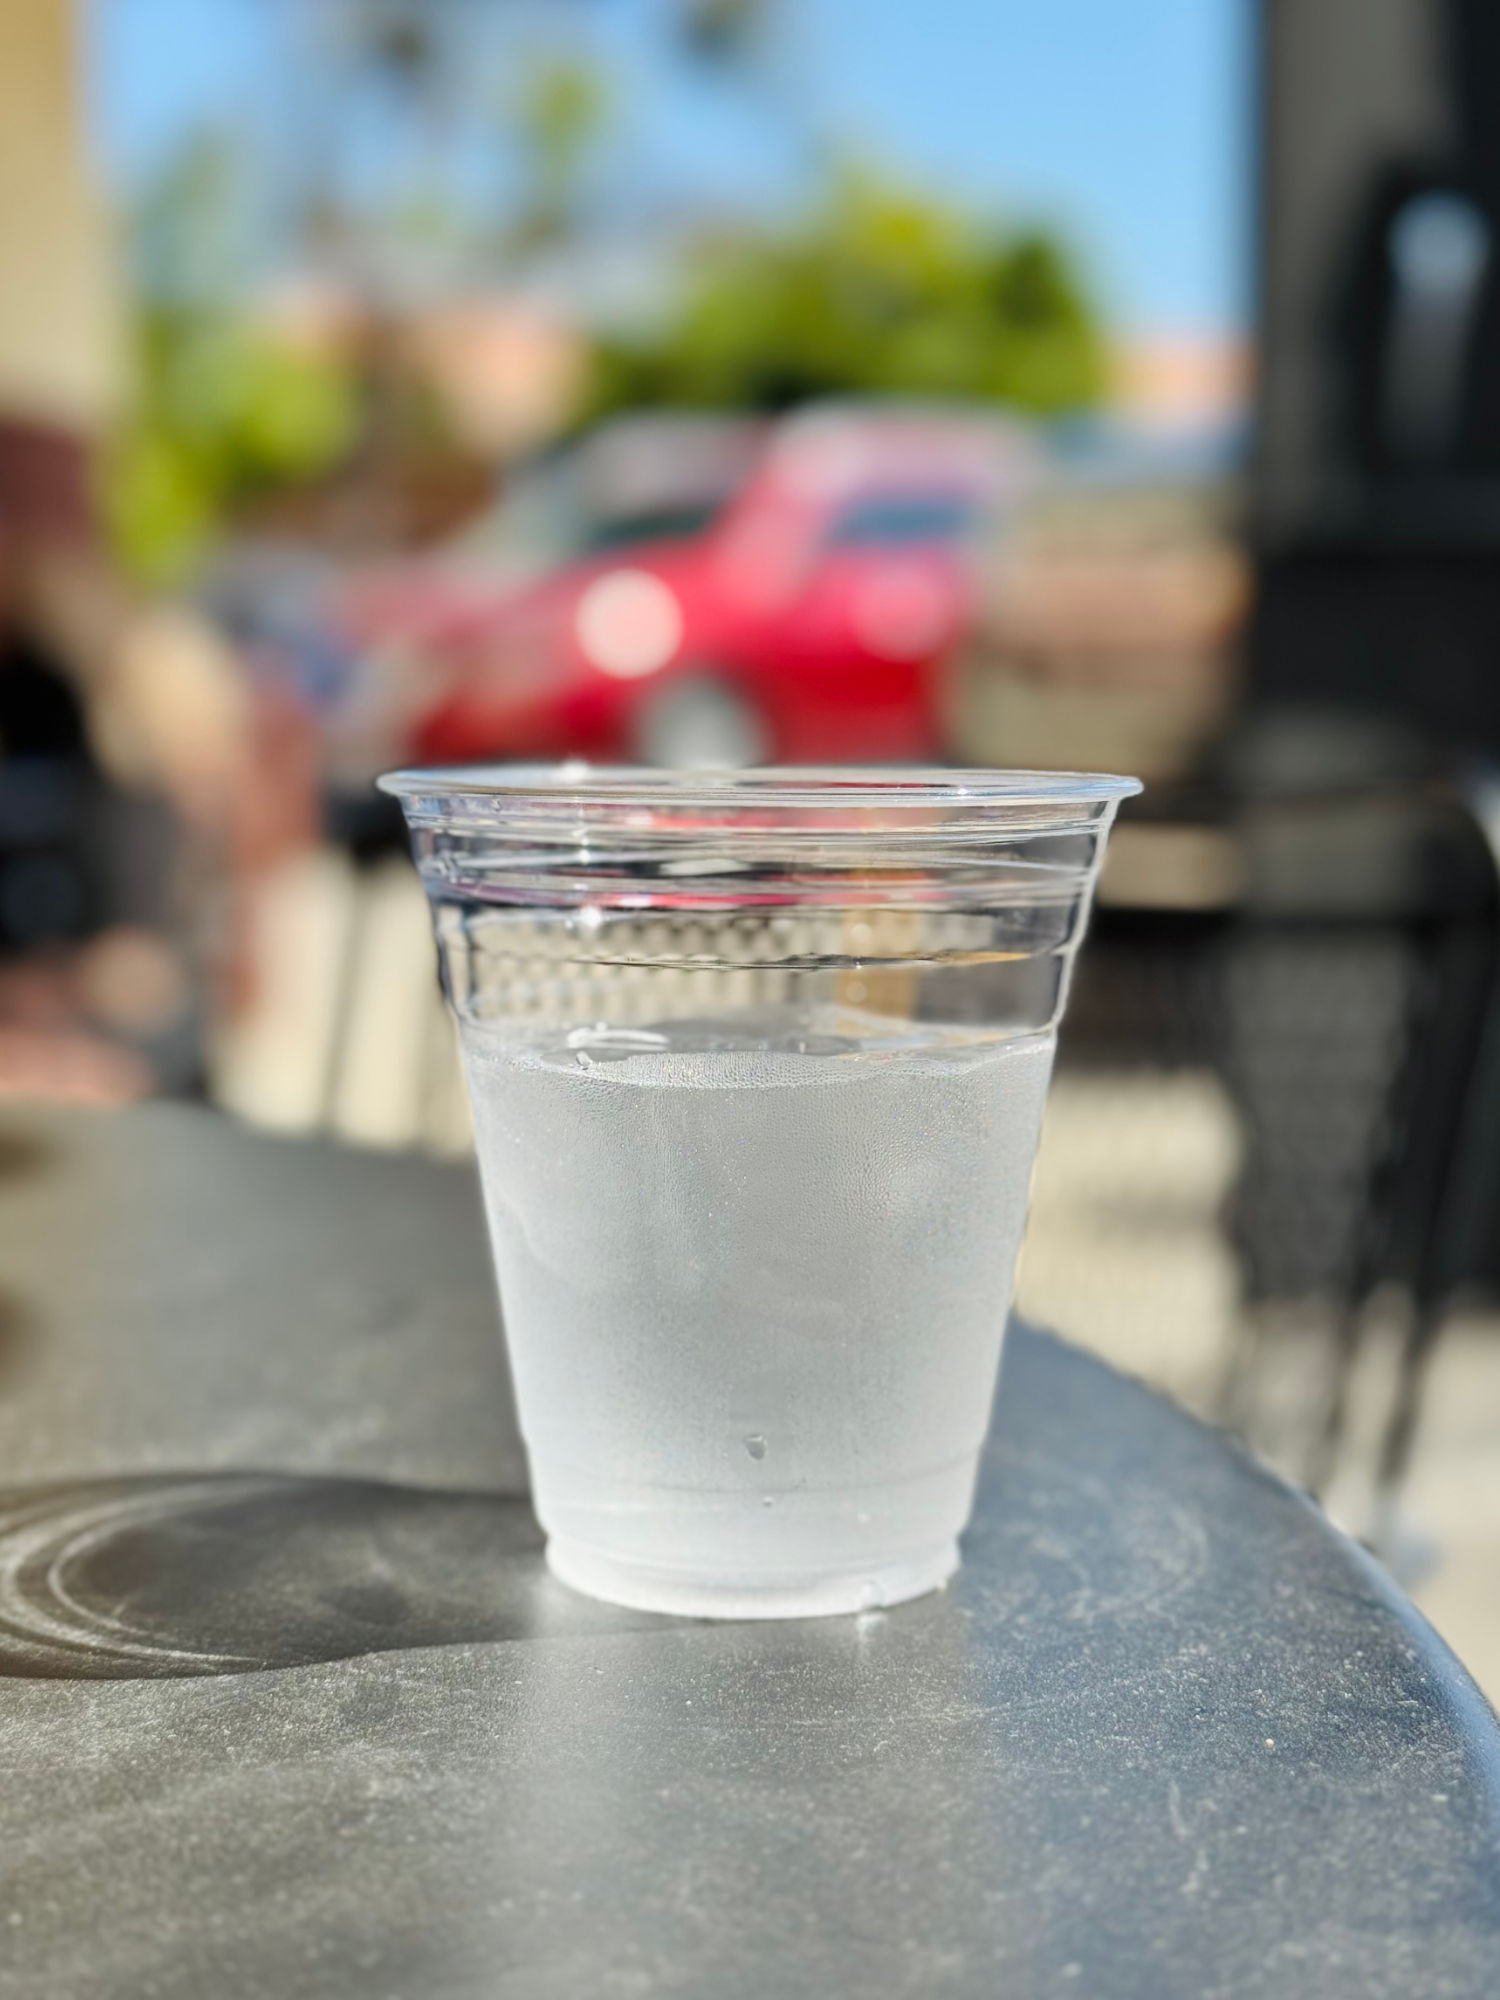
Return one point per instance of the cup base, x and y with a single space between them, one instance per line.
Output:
644 1589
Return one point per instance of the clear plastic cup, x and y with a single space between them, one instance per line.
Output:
757 1062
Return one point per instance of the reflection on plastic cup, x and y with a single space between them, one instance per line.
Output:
757 1063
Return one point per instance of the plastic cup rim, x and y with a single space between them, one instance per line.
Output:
767 787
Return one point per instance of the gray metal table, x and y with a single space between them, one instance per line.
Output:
293 1708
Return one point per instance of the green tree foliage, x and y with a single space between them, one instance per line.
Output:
881 292
220 414
558 117
220 410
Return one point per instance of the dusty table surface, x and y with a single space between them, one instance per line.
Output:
289 1705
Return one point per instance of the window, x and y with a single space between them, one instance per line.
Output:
886 520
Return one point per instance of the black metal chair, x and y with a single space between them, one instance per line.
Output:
1445 1225
1361 1043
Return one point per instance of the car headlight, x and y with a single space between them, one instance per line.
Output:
628 624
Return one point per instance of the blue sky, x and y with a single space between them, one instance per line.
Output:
1125 122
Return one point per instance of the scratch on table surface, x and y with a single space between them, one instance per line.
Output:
1194 1877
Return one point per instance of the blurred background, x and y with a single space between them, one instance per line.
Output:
722 381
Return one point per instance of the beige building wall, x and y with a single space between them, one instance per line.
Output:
60 316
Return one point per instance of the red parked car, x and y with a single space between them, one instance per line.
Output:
696 590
